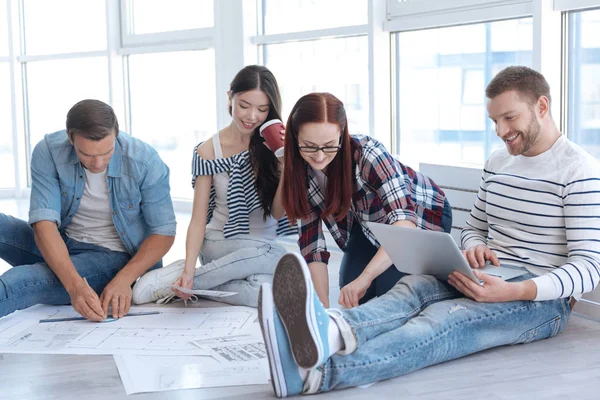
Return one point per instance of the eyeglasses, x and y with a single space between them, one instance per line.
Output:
325 149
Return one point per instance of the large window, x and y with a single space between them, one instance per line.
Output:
64 26
338 66
584 80
7 161
55 86
173 107
306 59
3 29
282 16
65 60
151 16
441 79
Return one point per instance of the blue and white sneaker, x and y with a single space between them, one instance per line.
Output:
285 375
305 319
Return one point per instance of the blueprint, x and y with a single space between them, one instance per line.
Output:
142 374
226 361
169 333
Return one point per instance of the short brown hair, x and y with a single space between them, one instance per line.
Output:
528 83
92 119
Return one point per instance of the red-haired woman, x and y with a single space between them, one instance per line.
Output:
345 181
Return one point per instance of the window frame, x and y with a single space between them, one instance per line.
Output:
378 43
426 14
486 71
195 37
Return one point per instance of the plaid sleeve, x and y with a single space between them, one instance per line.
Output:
384 175
312 242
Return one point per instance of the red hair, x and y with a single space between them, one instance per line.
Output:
317 108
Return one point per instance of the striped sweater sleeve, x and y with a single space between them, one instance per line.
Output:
581 271
202 167
475 231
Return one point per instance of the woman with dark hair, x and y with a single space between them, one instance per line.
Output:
237 212
346 181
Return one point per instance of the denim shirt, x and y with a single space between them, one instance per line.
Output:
138 187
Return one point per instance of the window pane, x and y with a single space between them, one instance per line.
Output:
7 177
584 80
64 26
3 29
173 108
305 15
53 87
150 16
338 66
442 74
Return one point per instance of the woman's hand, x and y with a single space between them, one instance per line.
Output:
354 291
186 281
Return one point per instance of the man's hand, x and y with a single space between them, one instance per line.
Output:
477 256
86 302
354 291
494 289
117 294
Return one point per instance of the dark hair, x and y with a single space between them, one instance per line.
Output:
525 81
317 107
264 162
92 119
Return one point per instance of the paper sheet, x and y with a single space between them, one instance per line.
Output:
201 292
142 374
168 333
227 361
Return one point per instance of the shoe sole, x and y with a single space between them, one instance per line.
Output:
277 377
293 298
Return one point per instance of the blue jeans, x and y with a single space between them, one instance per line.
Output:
238 264
360 251
32 282
423 321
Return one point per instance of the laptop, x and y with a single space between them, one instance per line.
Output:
422 252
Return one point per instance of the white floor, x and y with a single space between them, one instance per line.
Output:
565 367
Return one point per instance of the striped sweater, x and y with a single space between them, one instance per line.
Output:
542 213
242 197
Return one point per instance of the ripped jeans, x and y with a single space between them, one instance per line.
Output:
422 321
239 264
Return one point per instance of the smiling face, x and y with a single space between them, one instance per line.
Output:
318 134
94 155
517 123
249 110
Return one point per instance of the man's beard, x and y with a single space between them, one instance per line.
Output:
529 137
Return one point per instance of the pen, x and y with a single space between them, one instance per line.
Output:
131 314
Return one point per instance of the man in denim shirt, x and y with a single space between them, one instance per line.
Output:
100 216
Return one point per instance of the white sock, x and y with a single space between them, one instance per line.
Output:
336 342
303 373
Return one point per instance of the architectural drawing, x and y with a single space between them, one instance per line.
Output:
160 373
168 333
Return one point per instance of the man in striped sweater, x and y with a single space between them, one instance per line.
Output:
538 208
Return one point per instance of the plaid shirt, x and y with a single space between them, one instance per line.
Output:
385 191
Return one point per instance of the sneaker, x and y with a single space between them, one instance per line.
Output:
285 376
302 313
156 285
